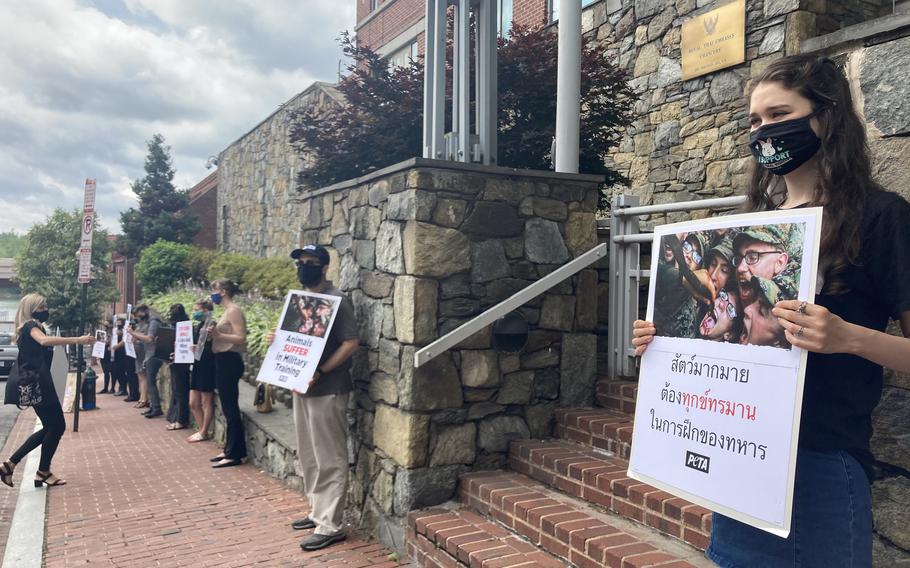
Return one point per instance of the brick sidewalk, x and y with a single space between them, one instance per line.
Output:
141 496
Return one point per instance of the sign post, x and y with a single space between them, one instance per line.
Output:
85 276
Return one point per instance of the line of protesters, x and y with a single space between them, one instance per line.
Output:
218 364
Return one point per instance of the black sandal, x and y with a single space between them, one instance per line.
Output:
42 479
6 472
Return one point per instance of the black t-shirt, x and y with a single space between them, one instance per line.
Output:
338 381
31 354
841 391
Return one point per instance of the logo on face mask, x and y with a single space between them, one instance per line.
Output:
771 156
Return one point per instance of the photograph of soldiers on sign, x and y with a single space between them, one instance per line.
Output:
308 315
721 284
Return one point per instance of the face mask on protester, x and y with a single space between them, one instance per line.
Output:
784 146
309 274
41 315
198 315
216 298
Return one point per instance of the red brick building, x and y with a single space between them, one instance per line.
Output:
204 204
395 28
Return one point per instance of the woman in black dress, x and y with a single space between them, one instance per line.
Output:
35 354
202 383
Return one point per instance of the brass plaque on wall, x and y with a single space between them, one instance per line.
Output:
714 40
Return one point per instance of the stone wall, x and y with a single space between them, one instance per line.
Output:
422 247
257 181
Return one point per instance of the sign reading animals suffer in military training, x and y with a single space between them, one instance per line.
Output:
305 324
714 40
720 388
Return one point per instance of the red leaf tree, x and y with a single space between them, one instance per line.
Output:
381 121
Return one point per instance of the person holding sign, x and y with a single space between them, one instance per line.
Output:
202 383
806 131
320 415
33 386
178 413
228 344
124 365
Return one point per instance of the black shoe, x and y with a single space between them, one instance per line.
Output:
227 463
217 458
154 414
303 524
128 399
120 393
318 541
146 413
103 391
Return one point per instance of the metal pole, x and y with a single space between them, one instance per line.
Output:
568 86
462 93
79 362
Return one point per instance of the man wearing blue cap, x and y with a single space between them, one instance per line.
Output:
320 415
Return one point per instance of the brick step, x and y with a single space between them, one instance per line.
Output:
601 479
601 428
441 538
569 528
617 394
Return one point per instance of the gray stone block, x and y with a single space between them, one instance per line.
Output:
578 369
883 79
425 487
544 243
495 433
489 261
493 219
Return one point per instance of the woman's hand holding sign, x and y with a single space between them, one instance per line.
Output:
644 332
813 327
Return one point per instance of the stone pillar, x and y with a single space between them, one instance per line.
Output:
421 249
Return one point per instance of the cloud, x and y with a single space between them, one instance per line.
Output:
85 84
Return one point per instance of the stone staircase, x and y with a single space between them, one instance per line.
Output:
566 501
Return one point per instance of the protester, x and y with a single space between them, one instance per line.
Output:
724 319
804 107
34 362
110 379
140 326
125 366
178 412
202 384
228 344
147 334
762 252
320 414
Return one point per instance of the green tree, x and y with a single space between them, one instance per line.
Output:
11 244
49 266
162 265
163 210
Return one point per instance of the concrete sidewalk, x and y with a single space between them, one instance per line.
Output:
139 495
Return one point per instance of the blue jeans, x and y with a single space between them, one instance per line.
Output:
831 527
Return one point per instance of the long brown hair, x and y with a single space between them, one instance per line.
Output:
844 168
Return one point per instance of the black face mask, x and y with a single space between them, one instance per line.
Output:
309 274
41 316
784 146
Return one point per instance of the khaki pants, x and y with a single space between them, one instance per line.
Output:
322 449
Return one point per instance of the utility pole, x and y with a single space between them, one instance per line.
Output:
85 276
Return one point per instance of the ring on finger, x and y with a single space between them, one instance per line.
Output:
802 307
799 332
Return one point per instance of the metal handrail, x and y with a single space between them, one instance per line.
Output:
521 297
695 205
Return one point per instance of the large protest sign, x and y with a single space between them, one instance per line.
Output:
305 324
720 387
183 342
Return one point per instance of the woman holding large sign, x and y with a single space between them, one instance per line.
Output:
806 131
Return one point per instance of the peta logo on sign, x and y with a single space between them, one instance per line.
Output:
698 461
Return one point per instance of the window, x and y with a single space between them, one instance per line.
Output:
401 57
373 5
504 23
554 8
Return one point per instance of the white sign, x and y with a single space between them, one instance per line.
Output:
98 350
183 342
128 343
720 388
88 228
203 335
305 323
88 203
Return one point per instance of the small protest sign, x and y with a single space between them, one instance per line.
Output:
183 342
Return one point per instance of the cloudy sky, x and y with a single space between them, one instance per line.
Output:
85 83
